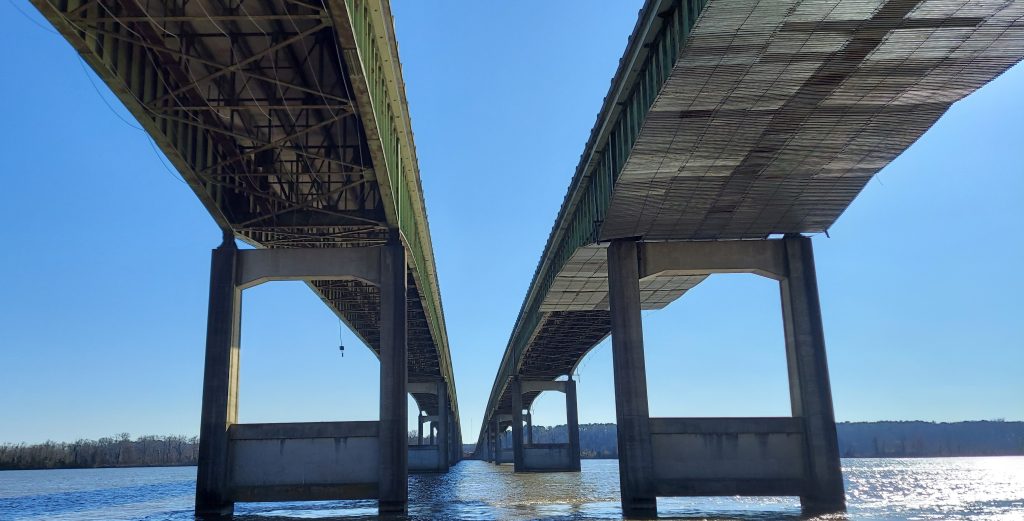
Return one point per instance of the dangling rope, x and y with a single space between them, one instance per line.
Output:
341 339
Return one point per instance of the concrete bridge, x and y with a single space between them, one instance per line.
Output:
288 120
731 129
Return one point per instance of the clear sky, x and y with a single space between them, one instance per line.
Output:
106 253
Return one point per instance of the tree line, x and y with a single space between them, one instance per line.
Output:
887 439
597 440
115 451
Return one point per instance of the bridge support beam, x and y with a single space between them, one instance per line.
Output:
529 428
572 423
495 442
517 426
419 429
547 457
636 461
810 389
488 443
234 461
220 383
435 456
394 375
504 453
444 432
796 456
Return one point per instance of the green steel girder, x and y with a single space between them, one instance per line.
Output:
654 46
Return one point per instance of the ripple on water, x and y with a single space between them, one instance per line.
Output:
987 489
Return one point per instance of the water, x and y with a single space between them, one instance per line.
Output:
988 489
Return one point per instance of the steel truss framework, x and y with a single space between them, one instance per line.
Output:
253 101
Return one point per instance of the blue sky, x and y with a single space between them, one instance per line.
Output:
107 254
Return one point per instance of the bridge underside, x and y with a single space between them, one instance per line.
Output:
771 121
262 107
776 114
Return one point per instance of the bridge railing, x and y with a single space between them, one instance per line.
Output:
373 34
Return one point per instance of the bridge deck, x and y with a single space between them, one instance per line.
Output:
739 119
288 120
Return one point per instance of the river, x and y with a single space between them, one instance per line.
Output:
877 489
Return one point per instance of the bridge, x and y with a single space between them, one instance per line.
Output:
731 131
288 120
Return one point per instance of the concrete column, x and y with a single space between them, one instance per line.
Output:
443 417
493 438
487 444
498 446
636 463
810 391
572 422
220 382
452 437
529 427
517 426
394 453
419 429
497 440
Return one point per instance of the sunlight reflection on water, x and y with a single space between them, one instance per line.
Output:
988 489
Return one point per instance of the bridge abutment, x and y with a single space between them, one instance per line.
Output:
794 456
302 461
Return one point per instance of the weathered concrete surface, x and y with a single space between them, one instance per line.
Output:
572 424
505 455
394 376
552 457
264 265
547 457
303 461
765 258
425 458
809 387
220 383
631 413
727 456
517 425
443 433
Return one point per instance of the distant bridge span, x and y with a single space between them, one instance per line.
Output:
728 123
288 120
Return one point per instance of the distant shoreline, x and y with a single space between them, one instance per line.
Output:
891 439
586 458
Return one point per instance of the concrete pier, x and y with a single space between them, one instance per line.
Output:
546 457
220 383
810 390
529 428
636 480
394 452
287 461
572 423
794 456
436 455
517 425
444 433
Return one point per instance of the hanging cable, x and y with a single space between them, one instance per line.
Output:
341 338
